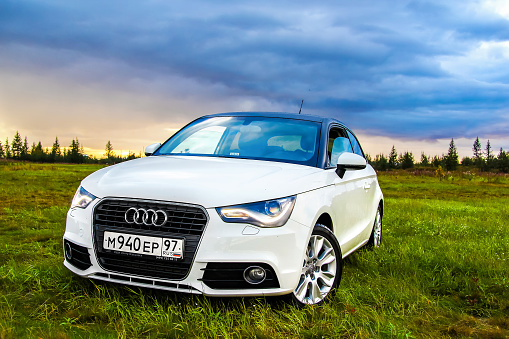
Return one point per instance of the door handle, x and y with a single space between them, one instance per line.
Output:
367 185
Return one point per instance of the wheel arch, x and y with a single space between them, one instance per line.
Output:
326 220
381 206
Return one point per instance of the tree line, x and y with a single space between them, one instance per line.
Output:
484 160
18 149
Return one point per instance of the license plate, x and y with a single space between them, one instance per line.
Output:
140 244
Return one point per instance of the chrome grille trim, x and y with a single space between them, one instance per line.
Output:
185 221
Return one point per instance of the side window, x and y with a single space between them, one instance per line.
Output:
355 143
338 143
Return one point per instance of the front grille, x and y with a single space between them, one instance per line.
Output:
185 222
231 276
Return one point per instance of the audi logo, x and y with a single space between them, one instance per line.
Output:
141 216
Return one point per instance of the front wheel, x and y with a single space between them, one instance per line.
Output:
375 240
321 269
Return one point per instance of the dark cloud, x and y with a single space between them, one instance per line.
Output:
378 64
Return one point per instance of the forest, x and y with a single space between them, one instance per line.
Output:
483 160
18 149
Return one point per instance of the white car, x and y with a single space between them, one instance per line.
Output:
234 204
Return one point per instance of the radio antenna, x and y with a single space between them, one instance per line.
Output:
301 105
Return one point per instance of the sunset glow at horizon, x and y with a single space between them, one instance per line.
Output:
413 74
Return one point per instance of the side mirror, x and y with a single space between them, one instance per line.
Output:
349 161
150 149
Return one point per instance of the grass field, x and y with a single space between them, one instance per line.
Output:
442 271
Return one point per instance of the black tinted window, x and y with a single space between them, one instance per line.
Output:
355 143
338 143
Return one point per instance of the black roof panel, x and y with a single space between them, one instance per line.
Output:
276 115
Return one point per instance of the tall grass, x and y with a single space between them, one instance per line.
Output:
442 271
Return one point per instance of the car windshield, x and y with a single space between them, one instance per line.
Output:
261 138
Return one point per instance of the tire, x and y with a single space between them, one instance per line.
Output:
321 269
375 240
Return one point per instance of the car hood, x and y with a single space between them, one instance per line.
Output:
206 181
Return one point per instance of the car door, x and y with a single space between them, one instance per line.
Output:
370 188
349 203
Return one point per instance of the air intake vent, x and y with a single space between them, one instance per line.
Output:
76 255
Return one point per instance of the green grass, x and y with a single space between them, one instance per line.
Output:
442 271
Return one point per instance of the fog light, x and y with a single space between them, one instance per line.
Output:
68 251
254 275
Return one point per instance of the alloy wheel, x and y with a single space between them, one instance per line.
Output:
318 271
377 230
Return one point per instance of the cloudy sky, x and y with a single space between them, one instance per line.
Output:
413 74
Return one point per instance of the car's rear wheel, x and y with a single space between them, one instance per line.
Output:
375 240
321 269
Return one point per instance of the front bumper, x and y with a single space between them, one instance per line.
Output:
280 250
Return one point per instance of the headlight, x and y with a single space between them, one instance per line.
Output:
82 198
270 213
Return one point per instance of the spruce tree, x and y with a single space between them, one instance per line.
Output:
407 160
2 153
393 158
7 149
75 152
55 154
56 147
381 162
109 150
451 159
24 150
478 158
477 148
424 160
503 161
37 152
489 156
16 146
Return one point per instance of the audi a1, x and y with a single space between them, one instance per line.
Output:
234 204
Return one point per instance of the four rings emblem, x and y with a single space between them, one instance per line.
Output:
141 216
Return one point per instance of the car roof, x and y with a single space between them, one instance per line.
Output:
284 115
